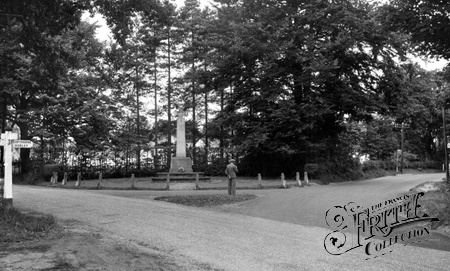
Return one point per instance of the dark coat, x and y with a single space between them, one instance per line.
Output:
231 170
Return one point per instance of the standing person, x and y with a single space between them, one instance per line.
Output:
231 171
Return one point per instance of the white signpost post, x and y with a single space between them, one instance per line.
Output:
9 141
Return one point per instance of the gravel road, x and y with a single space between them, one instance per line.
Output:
229 241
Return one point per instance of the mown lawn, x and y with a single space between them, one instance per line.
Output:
206 200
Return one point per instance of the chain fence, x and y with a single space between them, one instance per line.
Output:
216 182
247 181
131 182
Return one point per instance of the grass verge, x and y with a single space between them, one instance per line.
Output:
206 200
16 226
437 204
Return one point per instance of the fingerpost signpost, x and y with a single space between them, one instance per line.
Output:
9 141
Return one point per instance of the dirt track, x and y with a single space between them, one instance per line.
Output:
79 246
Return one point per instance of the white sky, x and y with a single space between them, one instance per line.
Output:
431 64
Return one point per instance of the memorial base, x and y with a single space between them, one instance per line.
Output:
180 177
181 165
181 171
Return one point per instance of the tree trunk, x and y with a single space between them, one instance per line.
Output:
138 121
24 152
222 143
206 127
4 113
194 124
169 105
155 158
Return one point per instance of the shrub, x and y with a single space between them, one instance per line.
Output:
370 165
312 169
216 168
143 172
432 165
47 171
425 165
114 173
391 165
376 165
43 173
338 172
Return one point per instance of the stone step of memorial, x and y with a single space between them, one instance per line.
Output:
180 177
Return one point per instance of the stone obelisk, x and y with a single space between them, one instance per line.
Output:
180 163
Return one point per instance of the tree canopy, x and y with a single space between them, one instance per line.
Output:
424 21
275 84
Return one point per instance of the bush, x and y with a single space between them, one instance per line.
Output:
338 172
390 165
90 175
114 173
46 171
424 165
312 169
432 165
143 172
216 168
376 165
370 165
34 173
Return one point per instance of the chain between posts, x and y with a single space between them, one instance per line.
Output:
104 181
217 182
278 179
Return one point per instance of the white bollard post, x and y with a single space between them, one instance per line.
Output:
78 182
132 181
283 181
100 179
64 181
306 178
197 179
168 181
297 178
259 181
53 178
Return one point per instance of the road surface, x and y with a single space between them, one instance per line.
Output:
238 239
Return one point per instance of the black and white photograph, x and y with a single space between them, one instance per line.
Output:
224 135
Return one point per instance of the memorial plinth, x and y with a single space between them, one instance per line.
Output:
180 165
180 177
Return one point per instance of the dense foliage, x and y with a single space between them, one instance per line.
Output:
275 84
